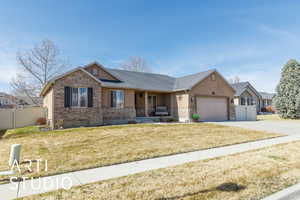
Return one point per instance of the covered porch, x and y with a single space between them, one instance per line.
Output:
148 103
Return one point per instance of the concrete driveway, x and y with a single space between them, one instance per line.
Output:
284 127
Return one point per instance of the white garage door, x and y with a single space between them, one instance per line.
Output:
212 108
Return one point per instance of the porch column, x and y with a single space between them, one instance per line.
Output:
146 104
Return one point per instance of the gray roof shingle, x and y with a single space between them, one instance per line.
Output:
239 87
154 82
140 80
186 82
266 95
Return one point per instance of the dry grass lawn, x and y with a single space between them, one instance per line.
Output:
274 117
82 148
257 173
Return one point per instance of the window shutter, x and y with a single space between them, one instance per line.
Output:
90 97
67 97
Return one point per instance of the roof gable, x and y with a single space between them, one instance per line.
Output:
241 87
52 81
101 67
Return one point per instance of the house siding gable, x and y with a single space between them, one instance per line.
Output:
48 103
249 93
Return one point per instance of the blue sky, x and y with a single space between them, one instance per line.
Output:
249 39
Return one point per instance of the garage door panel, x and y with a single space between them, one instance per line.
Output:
212 108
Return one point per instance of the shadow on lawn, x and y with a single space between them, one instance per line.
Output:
2 132
225 187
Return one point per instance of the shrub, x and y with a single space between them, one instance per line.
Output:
196 116
156 120
2 132
132 122
270 109
41 121
263 109
171 120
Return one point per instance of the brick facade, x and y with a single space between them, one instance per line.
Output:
70 117
118 114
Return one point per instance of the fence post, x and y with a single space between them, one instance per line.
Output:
13 118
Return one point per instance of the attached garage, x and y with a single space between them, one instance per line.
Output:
212 108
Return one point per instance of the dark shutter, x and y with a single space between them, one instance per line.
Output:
67 97
113 99
90 97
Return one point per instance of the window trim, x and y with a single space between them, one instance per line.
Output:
111 100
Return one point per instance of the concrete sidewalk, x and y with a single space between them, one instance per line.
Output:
26 188
290 193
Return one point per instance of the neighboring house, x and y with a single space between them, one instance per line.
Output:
267 99
95 95
8 101
246 94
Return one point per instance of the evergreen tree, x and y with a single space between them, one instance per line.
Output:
287 100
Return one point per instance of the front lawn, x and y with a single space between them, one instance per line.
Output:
82 148
249 175
274 117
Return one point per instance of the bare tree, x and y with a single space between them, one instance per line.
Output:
37 66
136 63
235 79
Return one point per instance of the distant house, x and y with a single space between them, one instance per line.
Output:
246 94
8 101
94 95
267 99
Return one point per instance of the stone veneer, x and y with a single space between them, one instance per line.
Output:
70 117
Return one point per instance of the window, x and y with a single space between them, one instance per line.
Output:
117 98
213 77
83 97
253 102
74 97
94 71
248 101
79 97
243 102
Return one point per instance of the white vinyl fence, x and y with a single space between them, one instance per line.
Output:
17 118
245 113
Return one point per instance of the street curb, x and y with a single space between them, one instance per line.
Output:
290 193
